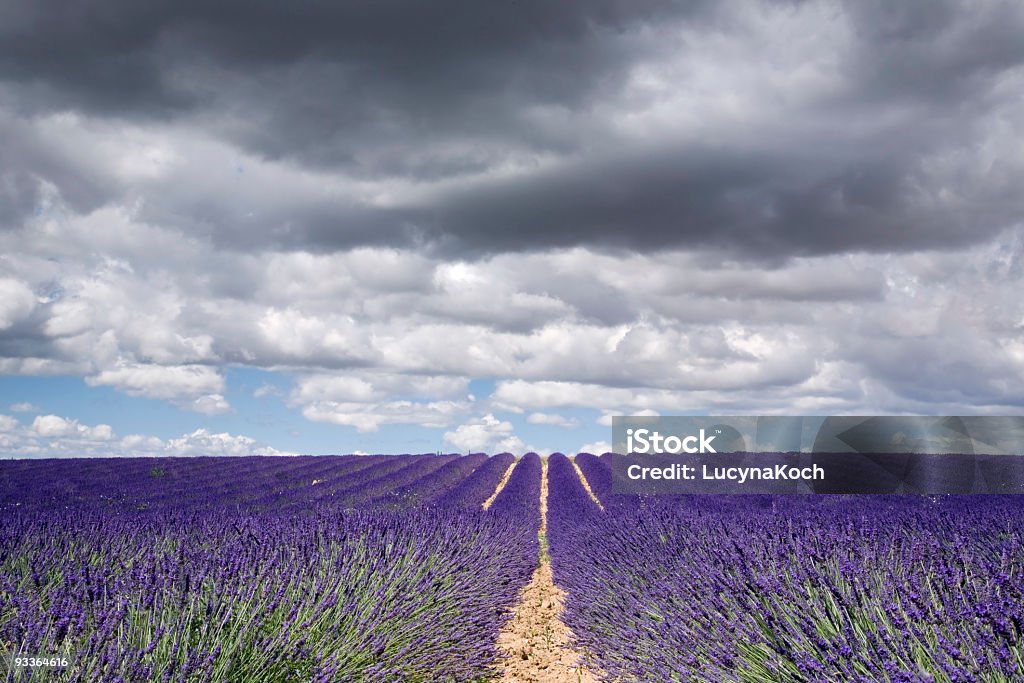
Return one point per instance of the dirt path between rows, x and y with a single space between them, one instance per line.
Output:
501 484
586 484
535 642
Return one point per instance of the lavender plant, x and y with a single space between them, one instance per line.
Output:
803 589
480 485
219 589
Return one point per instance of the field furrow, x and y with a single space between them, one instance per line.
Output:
536 645
501 485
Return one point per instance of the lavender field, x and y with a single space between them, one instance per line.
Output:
264 569
387 568
789 588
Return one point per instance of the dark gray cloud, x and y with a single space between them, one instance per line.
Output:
27 165
396 58
944 52
893 136
19 197
749 201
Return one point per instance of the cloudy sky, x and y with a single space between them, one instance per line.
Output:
408 227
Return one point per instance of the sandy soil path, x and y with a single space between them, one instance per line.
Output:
586 485
535 642
501 485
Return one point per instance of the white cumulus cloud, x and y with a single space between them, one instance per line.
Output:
487 434
194 387
57 436
553 419
16 301
50 426
210 404
596 447
368 417
204 442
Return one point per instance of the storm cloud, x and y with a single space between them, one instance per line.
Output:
768 129
643 206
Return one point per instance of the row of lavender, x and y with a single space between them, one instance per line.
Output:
789 588
255 484
298 569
